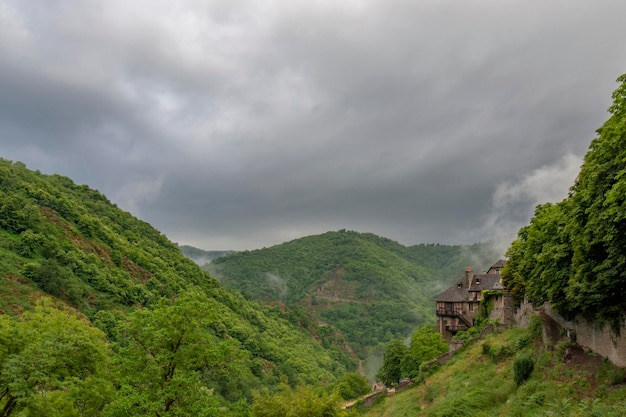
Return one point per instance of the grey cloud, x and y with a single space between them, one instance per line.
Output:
233 125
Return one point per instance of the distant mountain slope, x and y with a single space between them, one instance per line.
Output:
200 256
372 288
70 242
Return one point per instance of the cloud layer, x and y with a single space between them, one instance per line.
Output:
241 124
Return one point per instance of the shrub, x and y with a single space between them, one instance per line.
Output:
497 352
523 367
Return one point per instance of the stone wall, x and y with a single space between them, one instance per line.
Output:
523 314
599 338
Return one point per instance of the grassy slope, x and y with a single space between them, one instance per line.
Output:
372 288
479 381
69 241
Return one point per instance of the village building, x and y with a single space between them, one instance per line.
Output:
459 306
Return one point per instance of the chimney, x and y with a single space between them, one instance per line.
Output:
469 274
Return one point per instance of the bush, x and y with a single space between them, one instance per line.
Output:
352 385
523 367
497 352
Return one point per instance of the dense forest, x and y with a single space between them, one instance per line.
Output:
200 256
371 288
103 315
572 252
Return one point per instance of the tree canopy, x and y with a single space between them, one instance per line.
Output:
371 288
572 253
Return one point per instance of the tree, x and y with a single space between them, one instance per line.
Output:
352 385
52 360
540 259
426 344
598 226
173 360
572 253
391 370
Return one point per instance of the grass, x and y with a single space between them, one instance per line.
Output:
479 382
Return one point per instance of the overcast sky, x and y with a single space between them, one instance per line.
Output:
238 124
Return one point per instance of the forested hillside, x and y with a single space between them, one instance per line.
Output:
103 315
200 256
372 288
572 253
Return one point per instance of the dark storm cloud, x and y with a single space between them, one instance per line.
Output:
242 124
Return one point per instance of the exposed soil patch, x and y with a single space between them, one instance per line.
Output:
136 271
577 357
574 356
332 291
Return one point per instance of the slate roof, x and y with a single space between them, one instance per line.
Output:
455 293
500 264
487 282
459 292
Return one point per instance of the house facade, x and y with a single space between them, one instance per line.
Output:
458 306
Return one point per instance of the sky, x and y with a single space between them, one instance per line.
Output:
241 124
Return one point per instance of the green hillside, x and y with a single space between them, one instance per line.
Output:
168 338
200 256
371 288
481 381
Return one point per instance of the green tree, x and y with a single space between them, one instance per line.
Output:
540 259
426 344
173 360
572 253
51 360
391 370
352 385
598 227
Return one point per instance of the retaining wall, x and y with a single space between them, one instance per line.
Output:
599 338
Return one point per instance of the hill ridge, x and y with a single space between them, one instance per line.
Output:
370 287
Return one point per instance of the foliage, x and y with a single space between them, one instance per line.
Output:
371 288
50 360
304 401
572 253
352 385
70 242
609 374
400 361
426 344
523 366
469 385
391 370
199 256
174 361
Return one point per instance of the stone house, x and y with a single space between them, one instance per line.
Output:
458 307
